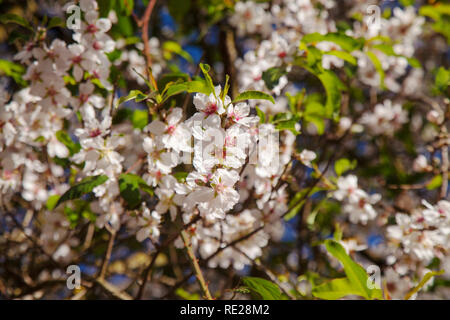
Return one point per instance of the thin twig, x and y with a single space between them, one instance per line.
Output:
113 290
195 265
159 249
145 20
107 255
444 169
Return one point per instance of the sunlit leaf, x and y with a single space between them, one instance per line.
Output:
425 279
82 188
247 95
263 289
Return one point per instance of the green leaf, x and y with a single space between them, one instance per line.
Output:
14 18
52 201
81 210
134 94
205 69
56 22
282 116
333 87
190 86
294 211
296 101
315 112
385 48
105 6
262 288
314 58
65 139
114 55
126 6
174 47
139 119
406 3
414 62
342 55
356 275
72 216
298 200
186 295
389 50
180 176
272 75
82 188
13 70
170 78
347 43
253 95
436 182
342 165
425 279
442 79
335 289
179 9
288 125
337 235
124 26
226 88
261 115
431 11
129 186
377 64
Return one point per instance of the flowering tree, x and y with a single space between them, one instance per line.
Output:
284 149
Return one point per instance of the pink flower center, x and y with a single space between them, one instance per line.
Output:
92 28
84 98
51 55
51 92
77 59
95 133
211 108
362 203
282 54
171 129
97 45
7 174
234 116
36 76
219 188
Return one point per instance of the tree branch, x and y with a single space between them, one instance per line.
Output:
195 265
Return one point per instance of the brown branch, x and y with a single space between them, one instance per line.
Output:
195 265
159 249
145 20
444 169
113 290
107 256
230 55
